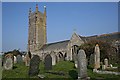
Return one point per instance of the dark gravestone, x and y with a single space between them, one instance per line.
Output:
48 62
91 61
19 59
34 66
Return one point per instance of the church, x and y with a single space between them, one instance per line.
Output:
63 50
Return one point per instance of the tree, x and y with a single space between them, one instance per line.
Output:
106 50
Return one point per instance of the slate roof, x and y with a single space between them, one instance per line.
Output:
87 38
63 44
111 36
55 45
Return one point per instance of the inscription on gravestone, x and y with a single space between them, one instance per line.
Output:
82 66
48 62
34 66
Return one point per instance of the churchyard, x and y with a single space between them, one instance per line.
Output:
85 65
21 66
64 69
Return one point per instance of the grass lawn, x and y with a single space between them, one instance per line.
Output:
65 67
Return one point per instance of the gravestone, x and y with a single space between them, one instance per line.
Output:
34 65
23 58
19 59
91 62
48 62
97 57
82 65
106 62
8 64
15 60
53 58
27 60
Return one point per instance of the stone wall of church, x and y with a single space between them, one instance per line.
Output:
75 40
37 30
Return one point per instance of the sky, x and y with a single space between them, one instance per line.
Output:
63 19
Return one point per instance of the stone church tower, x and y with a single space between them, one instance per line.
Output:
37 29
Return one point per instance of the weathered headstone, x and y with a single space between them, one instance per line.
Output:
19 59
23 57
48 62
97 57
82 66
27 60
15 60
91 62
8 64
34 65
53 58
106 62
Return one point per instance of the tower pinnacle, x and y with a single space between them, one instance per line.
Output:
30 11
36 7
45 7
45 10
